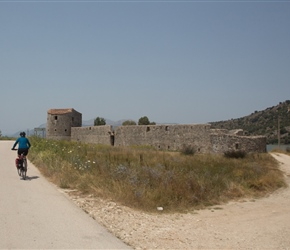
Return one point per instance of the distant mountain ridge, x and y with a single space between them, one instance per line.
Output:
263 122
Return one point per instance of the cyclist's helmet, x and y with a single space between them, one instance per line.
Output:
22 134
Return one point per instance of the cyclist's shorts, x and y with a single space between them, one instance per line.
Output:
23 150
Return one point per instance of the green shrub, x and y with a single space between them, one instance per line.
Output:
235 154
128 123
188 150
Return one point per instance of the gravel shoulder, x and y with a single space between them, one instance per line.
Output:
260 224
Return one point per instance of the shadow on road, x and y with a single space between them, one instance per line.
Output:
29 178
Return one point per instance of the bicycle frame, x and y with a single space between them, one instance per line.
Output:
23 168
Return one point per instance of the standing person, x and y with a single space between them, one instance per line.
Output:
24 144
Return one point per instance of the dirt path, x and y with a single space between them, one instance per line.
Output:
258 224
35 215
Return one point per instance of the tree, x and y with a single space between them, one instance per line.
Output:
128 123
0 133
99 121
145 121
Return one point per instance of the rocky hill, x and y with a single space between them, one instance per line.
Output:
265 122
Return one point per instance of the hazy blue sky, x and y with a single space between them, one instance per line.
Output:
173 61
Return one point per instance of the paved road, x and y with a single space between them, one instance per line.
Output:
35 215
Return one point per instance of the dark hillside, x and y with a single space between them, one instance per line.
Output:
263 122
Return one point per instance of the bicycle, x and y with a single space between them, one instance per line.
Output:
21 164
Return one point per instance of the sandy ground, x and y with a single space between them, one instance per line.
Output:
247 224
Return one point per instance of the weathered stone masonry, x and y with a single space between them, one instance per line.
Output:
229 140
60 123
164 137
94 134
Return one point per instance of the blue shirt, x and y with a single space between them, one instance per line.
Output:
23 143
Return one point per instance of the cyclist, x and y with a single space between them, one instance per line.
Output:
24 144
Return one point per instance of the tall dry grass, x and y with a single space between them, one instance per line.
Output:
144 178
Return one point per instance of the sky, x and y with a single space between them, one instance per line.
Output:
185 62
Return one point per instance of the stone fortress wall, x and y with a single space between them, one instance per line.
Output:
164 137
231 140
94 134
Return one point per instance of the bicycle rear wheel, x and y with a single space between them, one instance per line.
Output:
19 171
24 169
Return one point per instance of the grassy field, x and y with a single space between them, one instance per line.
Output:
143 178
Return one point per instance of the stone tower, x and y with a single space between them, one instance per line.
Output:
60 122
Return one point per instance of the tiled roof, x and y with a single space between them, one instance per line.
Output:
59 111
